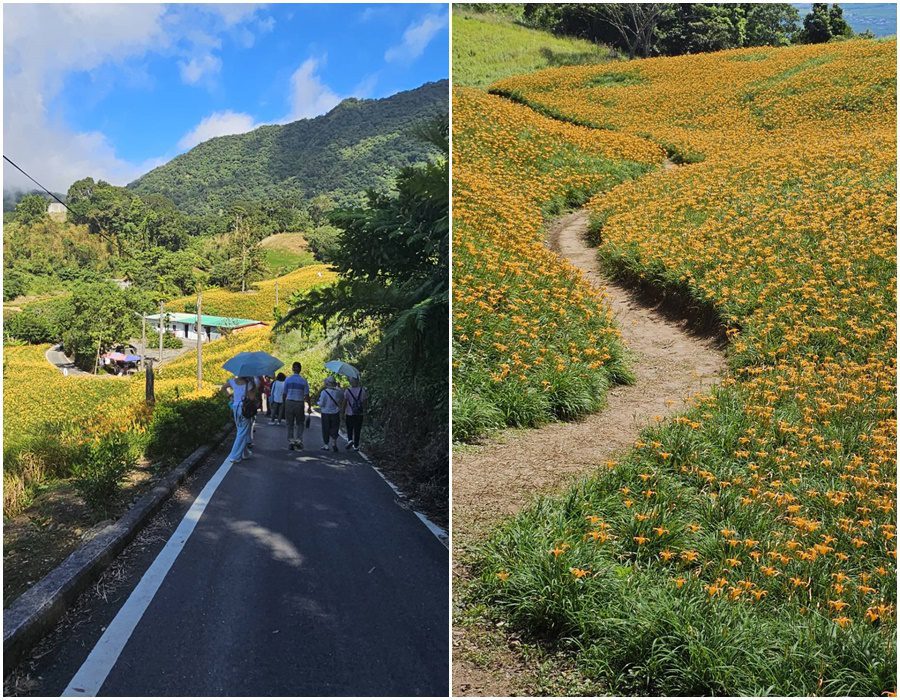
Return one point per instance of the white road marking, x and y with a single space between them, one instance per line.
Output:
434 529
93 672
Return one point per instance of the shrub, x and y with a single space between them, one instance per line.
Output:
171 341
98 476
177 427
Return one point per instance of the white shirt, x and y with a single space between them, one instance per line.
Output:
240 390
328 401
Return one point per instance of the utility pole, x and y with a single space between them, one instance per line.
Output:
143 341
149 395
160 331
199 340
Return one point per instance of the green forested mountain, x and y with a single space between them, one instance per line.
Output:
359 144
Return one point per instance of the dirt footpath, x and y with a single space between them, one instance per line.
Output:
671 363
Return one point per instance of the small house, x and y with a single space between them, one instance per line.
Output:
211 327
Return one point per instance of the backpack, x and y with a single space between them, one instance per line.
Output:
355 400
249 406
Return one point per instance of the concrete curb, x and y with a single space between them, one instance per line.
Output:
36 611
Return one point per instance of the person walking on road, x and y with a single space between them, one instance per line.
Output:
265 392
243 394
331 403
296 391
276 399
356 397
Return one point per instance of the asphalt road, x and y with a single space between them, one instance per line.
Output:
303 576
58 359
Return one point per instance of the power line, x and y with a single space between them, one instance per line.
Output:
99 227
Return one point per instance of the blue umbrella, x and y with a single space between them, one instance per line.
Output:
340 367
252 364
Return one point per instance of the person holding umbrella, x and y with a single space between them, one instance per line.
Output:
354 399
245 395
331 403
242 392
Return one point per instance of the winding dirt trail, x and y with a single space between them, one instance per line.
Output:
671 363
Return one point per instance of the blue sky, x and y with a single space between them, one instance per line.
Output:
113 90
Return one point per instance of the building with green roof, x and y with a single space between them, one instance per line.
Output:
212 327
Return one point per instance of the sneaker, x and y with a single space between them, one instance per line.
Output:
271 422
356 447
248 453
326 448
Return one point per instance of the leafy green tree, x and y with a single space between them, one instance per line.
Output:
771 24
30 209
14 284
696 28
319 208
37 323
239 261
817 24
393 261
109 211
837 23
98 317
669 28
324 242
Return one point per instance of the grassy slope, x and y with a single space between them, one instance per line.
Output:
487 47
284 252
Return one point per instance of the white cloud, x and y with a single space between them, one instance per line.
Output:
366 87
266 25
197 68
218 124
43 44
309 96
416 37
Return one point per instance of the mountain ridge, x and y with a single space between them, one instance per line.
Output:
357 145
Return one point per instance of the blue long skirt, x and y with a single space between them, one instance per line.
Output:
242 436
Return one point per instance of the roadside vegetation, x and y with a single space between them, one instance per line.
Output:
748 546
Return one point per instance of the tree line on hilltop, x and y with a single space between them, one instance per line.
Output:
672 29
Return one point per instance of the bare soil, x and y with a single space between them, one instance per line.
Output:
671 362
291 242
55 525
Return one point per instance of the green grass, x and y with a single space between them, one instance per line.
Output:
281 262
488 47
